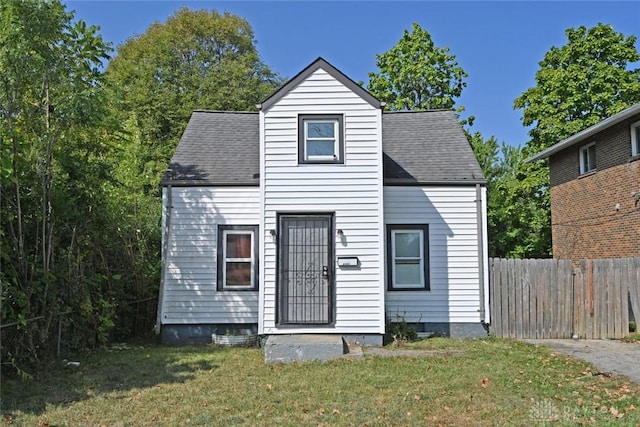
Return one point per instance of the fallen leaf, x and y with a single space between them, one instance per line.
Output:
269 386
416 397
335 412
485 382
320 411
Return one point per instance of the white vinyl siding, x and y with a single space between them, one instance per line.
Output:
352 191
451 214
190 290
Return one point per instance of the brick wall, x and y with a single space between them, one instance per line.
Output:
584 219
585 222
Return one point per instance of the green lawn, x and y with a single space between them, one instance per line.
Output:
484 382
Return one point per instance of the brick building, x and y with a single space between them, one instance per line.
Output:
595 189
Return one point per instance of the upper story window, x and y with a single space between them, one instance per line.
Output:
588 158
635 139
320 138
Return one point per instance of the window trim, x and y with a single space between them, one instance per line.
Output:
223 231
392 229
338 157
585 149
635 138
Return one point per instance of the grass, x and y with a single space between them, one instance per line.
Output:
634 337
484 382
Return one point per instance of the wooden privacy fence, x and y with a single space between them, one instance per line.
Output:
556 298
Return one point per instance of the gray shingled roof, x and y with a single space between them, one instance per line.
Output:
219 148
427 147
222 148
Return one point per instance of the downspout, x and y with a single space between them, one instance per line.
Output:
165 249
480 224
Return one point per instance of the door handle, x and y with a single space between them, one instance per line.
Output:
325 271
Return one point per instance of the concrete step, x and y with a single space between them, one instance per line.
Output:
304 347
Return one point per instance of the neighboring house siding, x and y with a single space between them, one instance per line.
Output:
352 190
451 213
613 148
585 222
190 292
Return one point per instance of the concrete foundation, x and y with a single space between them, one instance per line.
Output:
453 330
201 334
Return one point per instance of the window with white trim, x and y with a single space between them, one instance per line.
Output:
588 158
408 256
635 139
320 138
237 258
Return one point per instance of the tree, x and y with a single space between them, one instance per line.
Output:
417 75
517 227
51 106
580 84
196 60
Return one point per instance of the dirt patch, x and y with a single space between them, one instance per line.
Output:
385 352
609 356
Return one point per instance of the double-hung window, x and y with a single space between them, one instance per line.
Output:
237 258
635 139
588 158
408 256
320 138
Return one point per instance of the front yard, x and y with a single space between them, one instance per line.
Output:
484 382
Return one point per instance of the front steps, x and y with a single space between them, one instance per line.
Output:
307 347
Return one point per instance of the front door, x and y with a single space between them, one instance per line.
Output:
305 275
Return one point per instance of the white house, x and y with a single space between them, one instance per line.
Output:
323 214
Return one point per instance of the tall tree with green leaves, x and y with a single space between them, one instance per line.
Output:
51 108
579 84
415 74
517 227
195 60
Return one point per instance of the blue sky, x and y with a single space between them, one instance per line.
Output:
499 44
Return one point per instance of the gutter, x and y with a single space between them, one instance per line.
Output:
165 249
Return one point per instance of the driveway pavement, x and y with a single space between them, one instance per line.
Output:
609 356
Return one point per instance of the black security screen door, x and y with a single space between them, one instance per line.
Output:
305 270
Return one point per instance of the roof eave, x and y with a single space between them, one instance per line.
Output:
200 183
399 182
586 133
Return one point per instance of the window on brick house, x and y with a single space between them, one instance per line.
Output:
635 139
588 158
